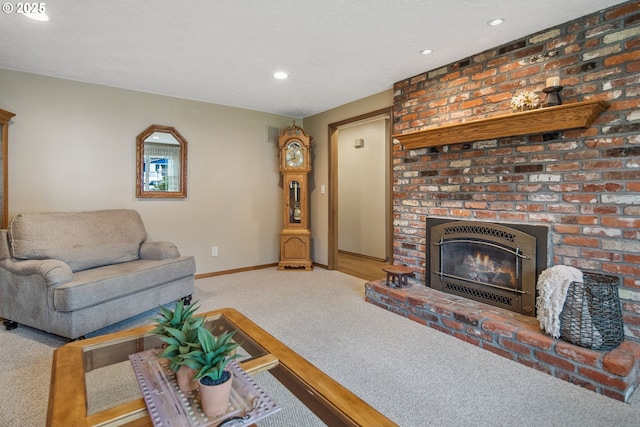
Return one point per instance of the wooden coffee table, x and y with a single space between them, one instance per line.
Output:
329 401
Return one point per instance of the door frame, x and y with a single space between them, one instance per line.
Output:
333 183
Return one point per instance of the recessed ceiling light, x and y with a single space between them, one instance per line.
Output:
494 22
280 75
426 51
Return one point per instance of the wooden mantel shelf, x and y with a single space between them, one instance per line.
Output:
543 120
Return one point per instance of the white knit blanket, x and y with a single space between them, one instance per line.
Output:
552 292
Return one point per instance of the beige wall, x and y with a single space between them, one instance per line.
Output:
362 188
72 147
318 127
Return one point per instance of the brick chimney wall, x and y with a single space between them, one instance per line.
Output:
584 184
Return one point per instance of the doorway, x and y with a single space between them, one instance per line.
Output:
343 136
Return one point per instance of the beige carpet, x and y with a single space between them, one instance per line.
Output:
414 375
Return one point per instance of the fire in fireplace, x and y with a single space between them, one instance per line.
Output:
497 264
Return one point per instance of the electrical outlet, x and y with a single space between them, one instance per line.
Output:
214 251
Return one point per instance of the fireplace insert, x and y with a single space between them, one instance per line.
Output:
497 264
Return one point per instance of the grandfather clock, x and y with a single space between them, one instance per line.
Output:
295 164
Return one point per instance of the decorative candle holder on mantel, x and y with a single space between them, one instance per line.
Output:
553 96
553 92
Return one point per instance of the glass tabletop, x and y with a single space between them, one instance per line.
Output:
109 394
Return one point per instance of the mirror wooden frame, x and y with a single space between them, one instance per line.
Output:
140 146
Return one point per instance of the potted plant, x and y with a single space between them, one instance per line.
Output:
210 362
179 330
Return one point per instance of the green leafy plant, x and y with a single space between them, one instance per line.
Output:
213 356
179 330
173 318
163 185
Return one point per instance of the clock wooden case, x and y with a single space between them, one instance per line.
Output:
294 148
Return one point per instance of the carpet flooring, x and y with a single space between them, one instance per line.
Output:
414 375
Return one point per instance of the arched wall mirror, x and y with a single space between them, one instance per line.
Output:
161 163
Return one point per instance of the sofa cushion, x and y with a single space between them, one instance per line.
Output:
98 285
81 239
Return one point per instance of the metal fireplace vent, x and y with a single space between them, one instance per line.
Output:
482 230
490 263
477 294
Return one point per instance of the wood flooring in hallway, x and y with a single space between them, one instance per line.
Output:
362 267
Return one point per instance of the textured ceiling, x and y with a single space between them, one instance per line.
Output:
226 51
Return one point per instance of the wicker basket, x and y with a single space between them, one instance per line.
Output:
591 316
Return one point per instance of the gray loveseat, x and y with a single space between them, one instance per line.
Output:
71 273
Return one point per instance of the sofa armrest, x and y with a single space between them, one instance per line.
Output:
53 271
4 245
158 250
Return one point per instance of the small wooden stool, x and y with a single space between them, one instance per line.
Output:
399 271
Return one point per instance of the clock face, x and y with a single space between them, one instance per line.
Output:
294 156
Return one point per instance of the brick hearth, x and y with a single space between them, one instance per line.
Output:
615 373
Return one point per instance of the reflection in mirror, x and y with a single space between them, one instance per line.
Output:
161 163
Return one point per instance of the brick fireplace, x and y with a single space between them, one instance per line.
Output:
583 183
